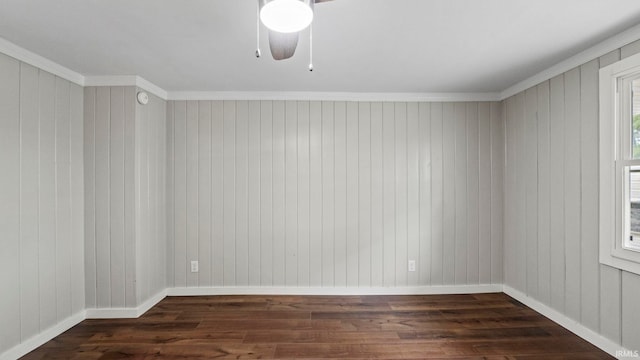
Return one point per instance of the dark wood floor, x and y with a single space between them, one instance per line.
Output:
480 326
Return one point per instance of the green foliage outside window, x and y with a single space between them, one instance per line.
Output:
636 136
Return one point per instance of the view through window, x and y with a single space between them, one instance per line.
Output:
632 175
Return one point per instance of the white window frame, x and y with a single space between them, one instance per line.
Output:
615 125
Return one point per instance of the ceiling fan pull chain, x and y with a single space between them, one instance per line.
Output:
311 47
258 29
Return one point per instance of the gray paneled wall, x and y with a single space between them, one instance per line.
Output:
124 182
551 207
151 214
41 201
286 193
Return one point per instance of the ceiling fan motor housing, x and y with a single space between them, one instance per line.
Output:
285 19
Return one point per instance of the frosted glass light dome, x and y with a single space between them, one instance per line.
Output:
286 16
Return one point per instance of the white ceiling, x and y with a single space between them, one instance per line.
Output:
418 46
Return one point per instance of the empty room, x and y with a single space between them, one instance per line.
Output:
308 179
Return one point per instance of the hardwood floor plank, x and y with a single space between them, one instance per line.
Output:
478 326
244 315
320 337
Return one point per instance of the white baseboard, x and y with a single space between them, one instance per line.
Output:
34 342
126 313
611 347
276 290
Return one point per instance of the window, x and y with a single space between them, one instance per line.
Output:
620 164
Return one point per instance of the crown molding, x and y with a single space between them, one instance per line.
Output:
33 59
332 96
125 80
615 42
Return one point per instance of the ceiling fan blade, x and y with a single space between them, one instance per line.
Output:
282 45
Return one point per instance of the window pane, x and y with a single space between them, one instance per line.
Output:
635 126
632 190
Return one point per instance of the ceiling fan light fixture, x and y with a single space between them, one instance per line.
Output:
286 16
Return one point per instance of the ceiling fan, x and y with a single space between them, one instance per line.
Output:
285 19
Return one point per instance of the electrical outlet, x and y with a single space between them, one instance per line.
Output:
194 266
412 265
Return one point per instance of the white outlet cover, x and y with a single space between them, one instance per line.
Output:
194 266
412 265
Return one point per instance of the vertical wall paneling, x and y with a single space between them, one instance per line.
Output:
334 194
10 200
157 235
47 212
401 193
484 193
302 268
340 195
130 214
630 317
424 189
510 192
102 197
389 193
556 191
266 192
204 193
180 191
610 278
125 208
63 199
76 136
521 197
116 197
328 194
460 193
42 196
413 191
531 188
377 195
141 204
544 183
217 193
161 215
279 195
291 193
170 124
572 186
352 214
47 215
254 220
449 201
565 261
589 268
89 190
29 193
473 183
436 139
498 116
364 194
315 194
139 245
192 172
241 187
229 193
